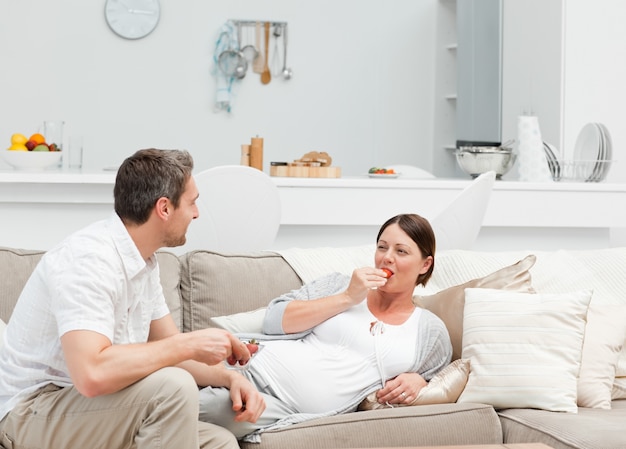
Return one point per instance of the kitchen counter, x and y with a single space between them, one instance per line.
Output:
40 208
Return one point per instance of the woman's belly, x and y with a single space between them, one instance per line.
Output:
313 379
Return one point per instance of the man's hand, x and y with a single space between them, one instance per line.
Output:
211 346
248 404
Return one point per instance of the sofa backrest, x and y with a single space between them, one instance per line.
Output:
169 272
217 284
198 286
16 265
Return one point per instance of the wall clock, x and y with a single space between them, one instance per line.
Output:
132 19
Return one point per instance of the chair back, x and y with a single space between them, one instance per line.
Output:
458 225
239 208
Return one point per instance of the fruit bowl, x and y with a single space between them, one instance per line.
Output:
32 160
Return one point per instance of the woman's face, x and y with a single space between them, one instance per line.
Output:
400 254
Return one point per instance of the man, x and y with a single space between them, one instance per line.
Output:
92 357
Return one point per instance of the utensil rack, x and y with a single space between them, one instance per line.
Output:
279 30
254 22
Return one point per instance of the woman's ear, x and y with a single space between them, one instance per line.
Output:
428 262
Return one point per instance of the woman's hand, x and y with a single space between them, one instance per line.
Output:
364 279
402 389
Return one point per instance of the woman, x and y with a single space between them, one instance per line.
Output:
339 338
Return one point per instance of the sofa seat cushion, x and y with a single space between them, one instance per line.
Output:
423 425
590 428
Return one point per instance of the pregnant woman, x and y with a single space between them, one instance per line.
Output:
335 340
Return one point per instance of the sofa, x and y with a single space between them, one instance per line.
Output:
205 288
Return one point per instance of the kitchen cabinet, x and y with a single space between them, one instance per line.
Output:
40 209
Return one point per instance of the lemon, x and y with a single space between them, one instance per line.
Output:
18 147
18 139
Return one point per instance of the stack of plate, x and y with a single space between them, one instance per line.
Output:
592 159
553 161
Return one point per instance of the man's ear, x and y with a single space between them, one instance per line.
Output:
163 208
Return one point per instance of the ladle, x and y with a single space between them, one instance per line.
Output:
275 66
286 71
266 76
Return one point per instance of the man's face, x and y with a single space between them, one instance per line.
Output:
181 217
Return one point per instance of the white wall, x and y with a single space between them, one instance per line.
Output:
595 73
361 90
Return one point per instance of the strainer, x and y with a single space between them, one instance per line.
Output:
232 62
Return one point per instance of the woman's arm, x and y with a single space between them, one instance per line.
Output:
312 296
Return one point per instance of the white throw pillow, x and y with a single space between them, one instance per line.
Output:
619 388
604 337
2 327
241 323
524 348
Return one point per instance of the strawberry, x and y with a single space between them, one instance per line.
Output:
252 347
388 272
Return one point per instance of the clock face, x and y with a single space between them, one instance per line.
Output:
132 19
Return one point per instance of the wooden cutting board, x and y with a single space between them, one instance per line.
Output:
305 172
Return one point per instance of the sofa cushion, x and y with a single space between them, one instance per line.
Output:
524 348
2 327
444 388
619 388
426 425
448 304
169 272
590 428
243 322
217 284
604 337
17 266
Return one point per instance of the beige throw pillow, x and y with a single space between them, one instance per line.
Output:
525 349
448 304
445 387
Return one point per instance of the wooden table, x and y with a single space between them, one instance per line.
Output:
479 446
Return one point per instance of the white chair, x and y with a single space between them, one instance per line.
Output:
457 226
411 172
239 210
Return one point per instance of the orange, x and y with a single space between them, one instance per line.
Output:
18 139
38 138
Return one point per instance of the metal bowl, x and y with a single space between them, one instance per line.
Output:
486 149
475 163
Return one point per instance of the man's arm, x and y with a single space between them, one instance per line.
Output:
97 367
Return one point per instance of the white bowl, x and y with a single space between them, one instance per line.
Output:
31 160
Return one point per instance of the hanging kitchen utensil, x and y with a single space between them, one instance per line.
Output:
249 51
286 71
232 62
266 76
259 62
275 67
